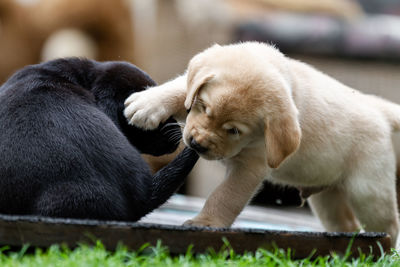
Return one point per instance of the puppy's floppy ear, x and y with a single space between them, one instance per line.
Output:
193 89
282 136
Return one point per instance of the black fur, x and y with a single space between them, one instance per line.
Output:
66 149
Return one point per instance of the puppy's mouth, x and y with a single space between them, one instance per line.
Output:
204 152
197 147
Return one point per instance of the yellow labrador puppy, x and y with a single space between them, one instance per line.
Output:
266 116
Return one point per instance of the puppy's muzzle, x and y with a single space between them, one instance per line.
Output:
196 146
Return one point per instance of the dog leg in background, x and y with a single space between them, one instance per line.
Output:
372 196
362 196
333 210
147 109
229 198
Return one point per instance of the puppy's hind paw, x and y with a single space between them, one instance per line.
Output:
203 223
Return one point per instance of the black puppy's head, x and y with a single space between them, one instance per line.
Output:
117 81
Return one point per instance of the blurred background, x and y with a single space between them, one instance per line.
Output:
355 41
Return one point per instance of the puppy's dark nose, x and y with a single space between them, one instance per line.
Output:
197 147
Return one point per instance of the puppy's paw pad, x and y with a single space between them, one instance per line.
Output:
202 222
193 223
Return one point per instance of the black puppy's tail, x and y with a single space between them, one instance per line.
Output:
167 180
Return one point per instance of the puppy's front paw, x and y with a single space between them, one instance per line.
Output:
205 222
146 109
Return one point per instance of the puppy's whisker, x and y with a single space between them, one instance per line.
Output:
180 124
175 138
164 129
175 135
169 131
178 142
173 131
170 124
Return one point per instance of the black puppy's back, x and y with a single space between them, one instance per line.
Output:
67 151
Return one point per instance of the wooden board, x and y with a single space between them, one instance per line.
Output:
43 232
180 208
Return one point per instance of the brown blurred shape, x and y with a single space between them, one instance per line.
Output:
24 28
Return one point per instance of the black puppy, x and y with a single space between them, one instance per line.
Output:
66 149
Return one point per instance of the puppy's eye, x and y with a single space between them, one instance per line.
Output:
233 131
201 107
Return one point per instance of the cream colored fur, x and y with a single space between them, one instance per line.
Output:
266 116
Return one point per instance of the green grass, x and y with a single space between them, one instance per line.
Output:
97 255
